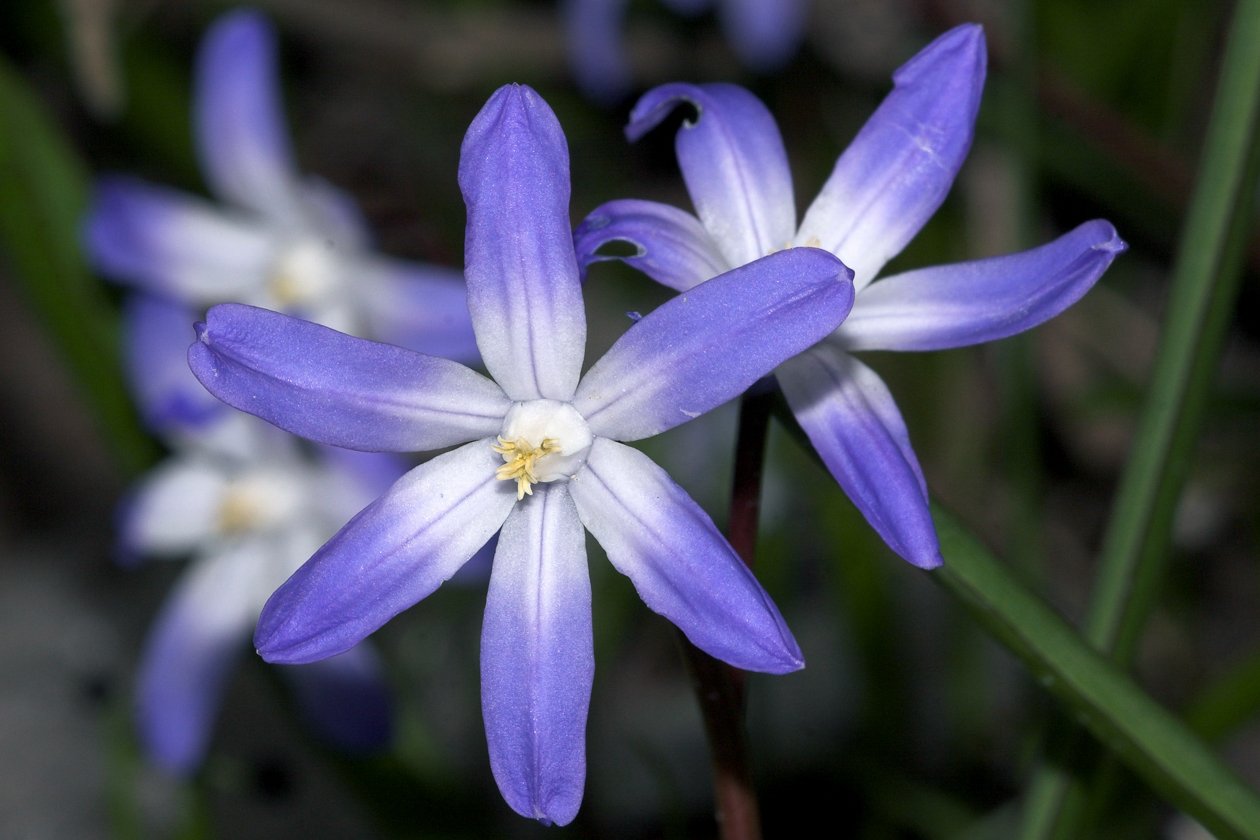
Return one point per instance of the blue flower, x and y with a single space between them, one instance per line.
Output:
547 455
279 240
249 506
883 189
764 35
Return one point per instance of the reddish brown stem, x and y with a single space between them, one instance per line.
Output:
719 687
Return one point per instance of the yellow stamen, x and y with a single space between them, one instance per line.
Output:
237 513
520 457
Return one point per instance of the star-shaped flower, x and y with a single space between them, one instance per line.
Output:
883 189
279 240
547 455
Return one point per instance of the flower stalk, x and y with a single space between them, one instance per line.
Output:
720 687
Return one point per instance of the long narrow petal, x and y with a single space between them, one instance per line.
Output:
538 657
173 244
851 419
764 34
173 508
899 168
345 698
679 563
333 388
239 117
734 163
523 288
708 345
594 33
420 307
967 303
204 625
396 551
674 249
157 333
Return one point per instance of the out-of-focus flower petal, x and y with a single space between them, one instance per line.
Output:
674 249
734 163
156 336
351 480
968 303
239 118
523 288
708 345
172 244
851 419
764 34
593 32
420 307
333 388
173 508
335 214
679 563
204 625
345 699
899 168
395 552
538 658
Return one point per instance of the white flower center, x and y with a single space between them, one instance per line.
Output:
304 271
541 440
259 501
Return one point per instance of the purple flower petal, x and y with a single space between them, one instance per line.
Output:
764 34
420 307
674 248
523 288
173 508
708 345
172 244
345 699
899 168
334 213
593 33
679 563
394 553
353 480
733 161
968 303
204 625
851 419
239 117
157 333
332 388
538 657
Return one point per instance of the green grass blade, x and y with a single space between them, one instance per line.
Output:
1204 289
1152 741
43 188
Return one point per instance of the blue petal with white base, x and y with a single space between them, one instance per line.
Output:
673 247
395 552
201 630
680 564
852 421
239 119
337 389
708 345
538 658
523 288
899 168
968 303
734 163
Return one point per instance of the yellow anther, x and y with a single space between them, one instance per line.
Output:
520 458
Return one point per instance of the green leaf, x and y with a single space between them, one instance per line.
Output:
1150 739
43 188
1228 703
